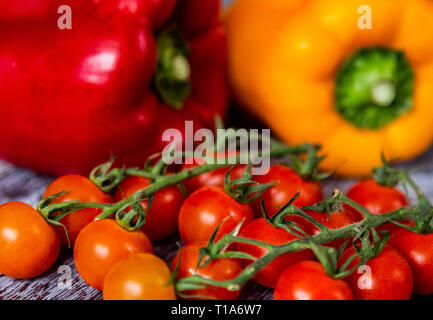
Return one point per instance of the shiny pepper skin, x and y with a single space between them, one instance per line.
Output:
284 58
71 98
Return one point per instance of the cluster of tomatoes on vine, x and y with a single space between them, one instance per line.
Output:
117 258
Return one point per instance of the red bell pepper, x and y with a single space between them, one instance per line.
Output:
125 72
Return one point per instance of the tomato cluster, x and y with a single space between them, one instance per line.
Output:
120 262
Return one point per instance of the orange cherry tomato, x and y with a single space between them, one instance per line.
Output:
101 244
140 276
161 221
218 270
29 246
205 210
81 189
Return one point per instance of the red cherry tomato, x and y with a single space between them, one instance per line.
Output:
161 221
289 184
28 245
103 243
385 277
261 230
377 199
418 251
141 276
307 280
207 208
337 220
213 178
81 189
219 270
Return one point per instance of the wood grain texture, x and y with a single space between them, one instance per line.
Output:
17 184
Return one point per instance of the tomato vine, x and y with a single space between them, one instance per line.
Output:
107 178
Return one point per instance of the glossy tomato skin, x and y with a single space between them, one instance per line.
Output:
140 276
307 280
337 220
259 229
161 222
418 251
103 243
289 184
204 210
82 189
28 245
213 178
389 276
219 270
377 199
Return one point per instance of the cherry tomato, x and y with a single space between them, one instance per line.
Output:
418 251
213 178
161 221
337 220
385 277
140 276
289 184
82 189
207 208
261 230
377 199
29 246
307 280
103 243
218 270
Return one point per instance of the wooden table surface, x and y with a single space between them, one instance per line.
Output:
17 184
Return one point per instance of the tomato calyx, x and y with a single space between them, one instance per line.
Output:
54 212
308 168
280 219
387 176
245 190
206 255
365 249
372 243
392 177
219 249
107 177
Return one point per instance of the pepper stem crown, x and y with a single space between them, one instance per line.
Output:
374 87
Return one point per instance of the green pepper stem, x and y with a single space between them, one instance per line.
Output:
374 87
383 93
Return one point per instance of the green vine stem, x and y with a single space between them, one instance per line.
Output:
370 221
358 230
53 213
422 213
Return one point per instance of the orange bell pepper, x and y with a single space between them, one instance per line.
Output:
318 71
